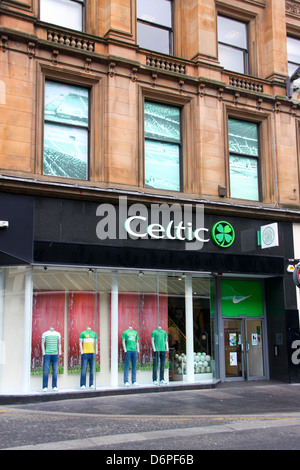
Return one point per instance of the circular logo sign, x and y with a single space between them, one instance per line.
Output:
223 234
268 236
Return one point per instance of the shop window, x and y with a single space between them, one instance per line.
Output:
152 306
293 51
155 25
66 13
233 45
243 159
66 130
162 131
65 305
103 314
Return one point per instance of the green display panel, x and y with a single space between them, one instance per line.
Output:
242 298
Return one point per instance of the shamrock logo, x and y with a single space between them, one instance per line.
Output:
223 234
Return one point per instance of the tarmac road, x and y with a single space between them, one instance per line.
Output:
248 416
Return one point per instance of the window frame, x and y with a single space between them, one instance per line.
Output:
258 157
69 125
290 62
83 16
246 54
188 178
96 164
169 29
179 145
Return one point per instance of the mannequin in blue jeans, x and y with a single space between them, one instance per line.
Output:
88 345
130 343
51 348
160 345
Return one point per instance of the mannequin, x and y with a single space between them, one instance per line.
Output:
130 342
159 340
51 349
88 346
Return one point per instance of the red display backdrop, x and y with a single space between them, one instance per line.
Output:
140 311
48 310
83 312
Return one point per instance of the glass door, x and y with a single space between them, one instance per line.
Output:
254 349
233 346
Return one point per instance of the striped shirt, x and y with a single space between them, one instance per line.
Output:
52 340
89 339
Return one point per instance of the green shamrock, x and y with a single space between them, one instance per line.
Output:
223 234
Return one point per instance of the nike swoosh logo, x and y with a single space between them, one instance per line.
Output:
237 301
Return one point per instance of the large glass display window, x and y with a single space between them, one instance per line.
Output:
68 328
165 328
65 328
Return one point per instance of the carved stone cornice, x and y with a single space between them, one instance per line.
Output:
293 7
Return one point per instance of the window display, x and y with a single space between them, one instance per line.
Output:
79 337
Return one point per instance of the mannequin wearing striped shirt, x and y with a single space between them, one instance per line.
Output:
51 349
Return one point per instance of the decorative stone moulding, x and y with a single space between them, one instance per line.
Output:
245 84
292 7
75 42
165 64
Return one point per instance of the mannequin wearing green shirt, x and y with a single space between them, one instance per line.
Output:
159 339
130 342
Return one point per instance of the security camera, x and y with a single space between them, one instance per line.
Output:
4 223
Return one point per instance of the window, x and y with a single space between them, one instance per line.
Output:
66 13
154 25
293 51
66 130
233 44
243 159
162 146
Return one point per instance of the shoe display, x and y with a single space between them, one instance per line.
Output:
127 384
82 387
135 384
155 382
163 382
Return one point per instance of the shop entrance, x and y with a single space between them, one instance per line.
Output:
244 348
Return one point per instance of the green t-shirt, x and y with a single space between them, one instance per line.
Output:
131 337
160 337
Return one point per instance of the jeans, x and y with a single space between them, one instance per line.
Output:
162 356
130 356
85 359
48 359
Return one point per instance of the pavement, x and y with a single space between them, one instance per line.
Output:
247 397
254 414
